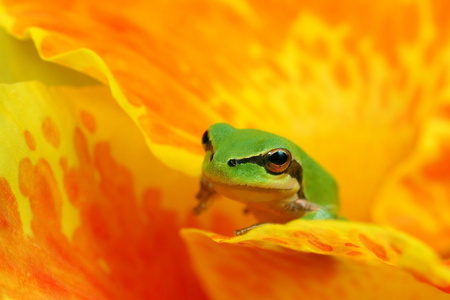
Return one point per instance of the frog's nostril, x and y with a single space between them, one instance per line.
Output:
211 157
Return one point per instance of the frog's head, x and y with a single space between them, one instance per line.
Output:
250 165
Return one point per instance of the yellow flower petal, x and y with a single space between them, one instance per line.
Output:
352 80
421 186
230 271
346 240
356 80
84 210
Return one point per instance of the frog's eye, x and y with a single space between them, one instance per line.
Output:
206 142
277 160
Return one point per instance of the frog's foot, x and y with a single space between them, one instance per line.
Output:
301 205
243 231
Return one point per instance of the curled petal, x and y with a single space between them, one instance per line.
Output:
80 213
335 80
347 242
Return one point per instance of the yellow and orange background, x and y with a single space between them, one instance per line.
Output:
102 107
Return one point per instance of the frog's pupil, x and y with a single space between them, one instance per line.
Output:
278 158
205 138
232 162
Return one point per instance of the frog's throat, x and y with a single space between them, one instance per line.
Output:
253 193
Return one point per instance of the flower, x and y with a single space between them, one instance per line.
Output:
101 151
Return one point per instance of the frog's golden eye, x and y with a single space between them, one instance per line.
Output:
277 160
206 142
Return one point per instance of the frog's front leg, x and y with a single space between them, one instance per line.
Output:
301 206
309 210
204 196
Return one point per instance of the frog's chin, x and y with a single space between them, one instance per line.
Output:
247 193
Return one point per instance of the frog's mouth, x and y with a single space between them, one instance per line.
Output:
253 193
278 189
271 188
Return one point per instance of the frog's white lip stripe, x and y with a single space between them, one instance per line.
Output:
246 187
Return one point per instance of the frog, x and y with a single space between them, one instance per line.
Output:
276 180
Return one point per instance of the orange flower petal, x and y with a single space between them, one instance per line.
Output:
250 272
355 242
324 75
350 83
421 187
84 211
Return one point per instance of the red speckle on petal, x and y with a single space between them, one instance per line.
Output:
353 253
88 121
423 279
29 139
9 215
373 247
38 183
97 221
445 289
47 282
322 246
314 241
351 245
396 249
51 132
301 234
277 241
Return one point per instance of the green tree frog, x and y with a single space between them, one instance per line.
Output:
274 177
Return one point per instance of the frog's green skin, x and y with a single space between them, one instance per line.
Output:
304 188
